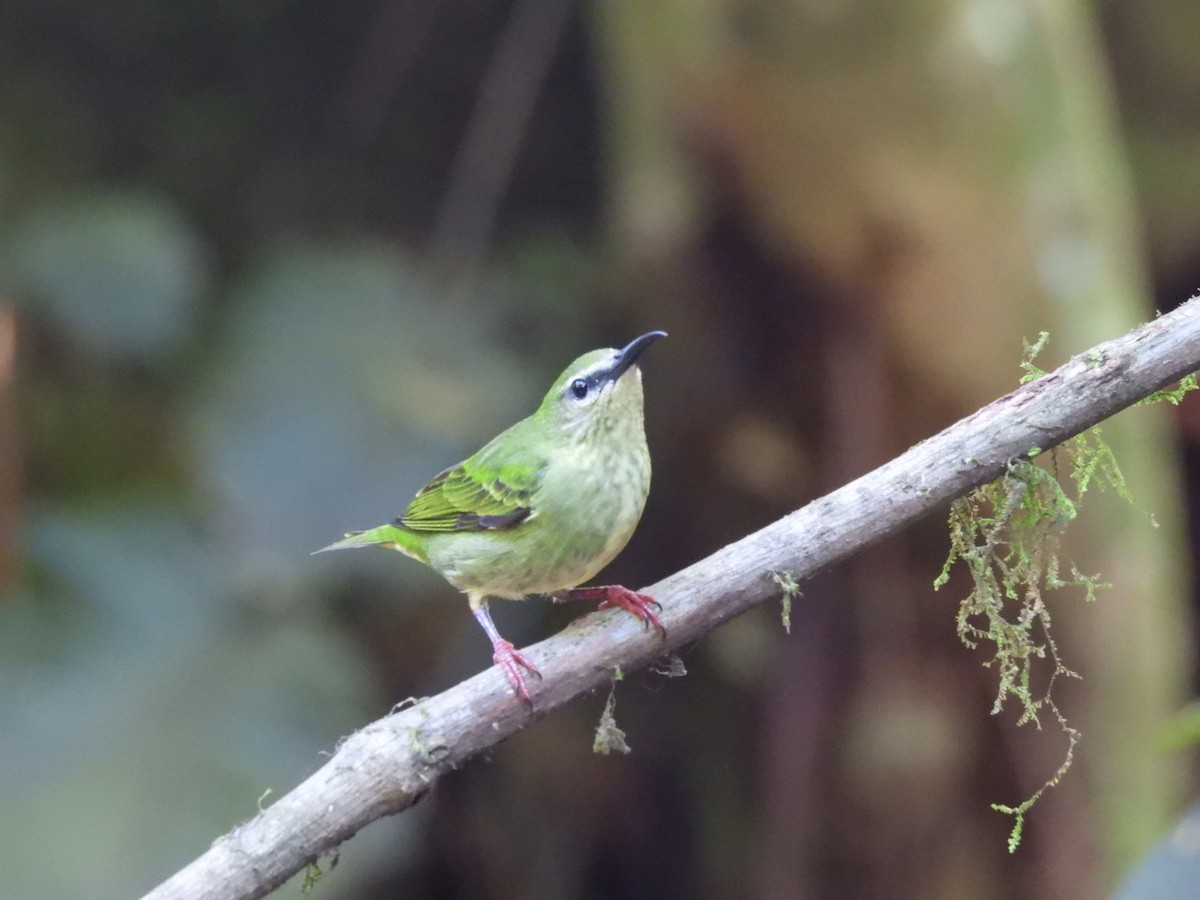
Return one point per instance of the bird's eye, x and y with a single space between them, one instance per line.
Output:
579 388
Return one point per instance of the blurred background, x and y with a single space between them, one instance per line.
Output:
266 267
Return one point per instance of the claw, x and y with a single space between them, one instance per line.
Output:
511 660
642 606
506 656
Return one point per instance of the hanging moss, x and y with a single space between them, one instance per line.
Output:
1008 533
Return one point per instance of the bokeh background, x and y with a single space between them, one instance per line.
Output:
266 267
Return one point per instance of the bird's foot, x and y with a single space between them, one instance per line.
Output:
642 606
511 660
505 655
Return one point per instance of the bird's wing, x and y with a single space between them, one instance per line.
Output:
484 493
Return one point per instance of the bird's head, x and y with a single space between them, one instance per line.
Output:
600 390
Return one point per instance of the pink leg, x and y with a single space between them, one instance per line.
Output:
505 655
613 595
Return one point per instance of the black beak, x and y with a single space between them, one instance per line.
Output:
629 354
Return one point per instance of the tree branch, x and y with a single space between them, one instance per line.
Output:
391 764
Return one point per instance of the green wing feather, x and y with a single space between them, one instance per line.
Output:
491 490
483 493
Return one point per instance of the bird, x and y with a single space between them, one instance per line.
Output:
543 506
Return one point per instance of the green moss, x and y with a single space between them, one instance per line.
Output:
314 873
1007 534
791 590
1092 460
1029 353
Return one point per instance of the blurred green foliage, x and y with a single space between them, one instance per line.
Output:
120 272
144 706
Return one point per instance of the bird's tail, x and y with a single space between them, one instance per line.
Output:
384 535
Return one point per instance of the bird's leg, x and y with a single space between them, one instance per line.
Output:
642 606
504 654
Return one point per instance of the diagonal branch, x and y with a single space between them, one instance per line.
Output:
391 764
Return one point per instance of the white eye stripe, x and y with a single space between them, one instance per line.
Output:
586 383
582 388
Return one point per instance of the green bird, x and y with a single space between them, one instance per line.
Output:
544 505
